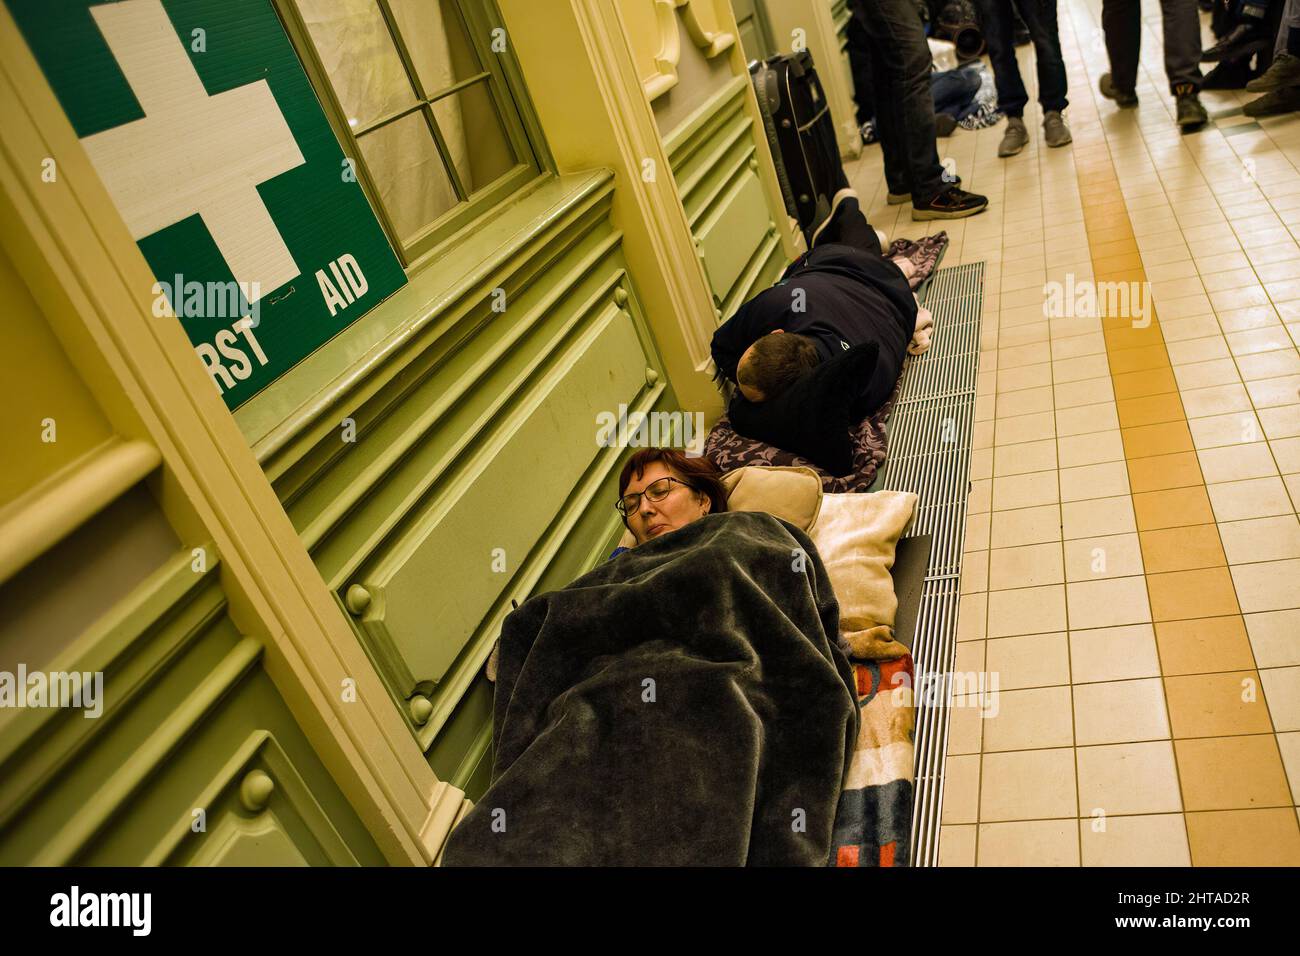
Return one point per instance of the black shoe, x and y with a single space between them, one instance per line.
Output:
1125 99
944 125
1191 114
1236 44
1283 72
952 203
1274 103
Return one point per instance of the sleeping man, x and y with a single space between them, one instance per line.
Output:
840 294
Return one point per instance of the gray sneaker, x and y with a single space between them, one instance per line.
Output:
1055 132
1283 72
1191 114
1015 138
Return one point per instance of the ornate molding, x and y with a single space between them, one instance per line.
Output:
702 30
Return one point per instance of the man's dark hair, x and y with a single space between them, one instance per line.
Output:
775 362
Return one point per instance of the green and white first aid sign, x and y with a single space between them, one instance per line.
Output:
206 132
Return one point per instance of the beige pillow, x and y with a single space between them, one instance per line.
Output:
791 493
855 535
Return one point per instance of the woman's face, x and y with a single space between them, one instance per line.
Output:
654 518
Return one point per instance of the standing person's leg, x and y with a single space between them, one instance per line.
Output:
1012 96
1121 21
1288 34
895 26
1040 19
1182 30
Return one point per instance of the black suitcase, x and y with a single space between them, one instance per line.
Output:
801 133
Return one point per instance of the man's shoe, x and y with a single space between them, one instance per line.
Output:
1234 43
944 125
1275 103
1124 99
1283 72
1015 138
1191 114
952 203
897 199
1055 132
837 202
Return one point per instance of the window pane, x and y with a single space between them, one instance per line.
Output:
472 130
357 52
438 42
413 185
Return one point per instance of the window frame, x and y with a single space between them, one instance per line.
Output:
501 75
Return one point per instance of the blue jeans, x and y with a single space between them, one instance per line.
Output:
1040 18
954 91
900 73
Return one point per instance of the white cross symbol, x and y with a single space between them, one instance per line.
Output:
193 153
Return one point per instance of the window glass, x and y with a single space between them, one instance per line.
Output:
403 162
357 52
475 138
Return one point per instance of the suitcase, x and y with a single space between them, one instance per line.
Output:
801 134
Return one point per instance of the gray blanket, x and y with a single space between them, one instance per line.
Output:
683 704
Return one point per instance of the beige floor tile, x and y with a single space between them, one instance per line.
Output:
1086 419
1255 498
966 724
1282 690
1217 431
1216 400
1289 744
1029 401
1110 556
1025 566
1089 391
1029 843
1023 428
1116 712
1261 539
1145 840
1268 586
1113 654
1032 490
1026 611
1098 517
957 845
1025 526
1094 481
1035 660
1107 603
961 790
1128 778
975 572
977 532
1028 719
1027 785
1237 463
1275 637
972 617
1090 449
1024 458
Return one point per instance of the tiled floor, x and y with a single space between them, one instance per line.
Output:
1132 581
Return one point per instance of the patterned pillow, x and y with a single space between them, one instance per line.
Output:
730 450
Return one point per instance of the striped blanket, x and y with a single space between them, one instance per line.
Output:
873 822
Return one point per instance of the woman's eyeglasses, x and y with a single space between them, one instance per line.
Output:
655 491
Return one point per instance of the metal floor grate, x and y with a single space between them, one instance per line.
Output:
929 453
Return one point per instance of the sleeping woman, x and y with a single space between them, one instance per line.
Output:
682 704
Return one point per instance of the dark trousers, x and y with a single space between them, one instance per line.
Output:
1122 22
1040 18
900 75
850 228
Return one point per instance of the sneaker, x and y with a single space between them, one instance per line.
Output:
1283 72
1124 99
1285 100
897 199
1015 138
836 203
952 203
1055 132
1191 114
